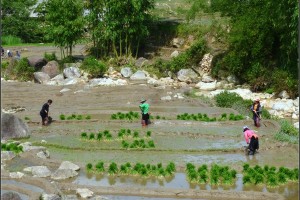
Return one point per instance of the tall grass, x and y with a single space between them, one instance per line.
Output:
287 133
11 40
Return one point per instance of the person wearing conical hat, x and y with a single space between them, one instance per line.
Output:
256 110
144 107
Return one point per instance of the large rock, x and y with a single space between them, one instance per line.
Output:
41 77
84 192
61 174
187 75
12 127
126 72
139 75
177 42
72 72
140 62
37 62
51 68
38 171
205 64
106 82
51 197
10 196
68 165
206 86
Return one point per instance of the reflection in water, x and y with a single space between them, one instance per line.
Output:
179 181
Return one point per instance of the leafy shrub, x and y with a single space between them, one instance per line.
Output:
10 40
283 80
287 133
50 56
23 71
94 67
227 99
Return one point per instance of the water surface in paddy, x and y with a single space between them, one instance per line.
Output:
179 181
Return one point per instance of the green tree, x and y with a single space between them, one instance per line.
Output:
119 25
64 23
16 20
261 40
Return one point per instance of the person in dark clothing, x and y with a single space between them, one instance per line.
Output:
45 111
256 110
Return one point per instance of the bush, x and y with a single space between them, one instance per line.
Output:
227 99
10 40
287 133
283 80
50 57
23 71
94 67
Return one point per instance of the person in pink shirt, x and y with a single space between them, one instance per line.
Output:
251 139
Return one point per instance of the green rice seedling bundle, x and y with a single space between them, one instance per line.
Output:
88 117
99 167
99 136
113 169
92 136
79 117
26 118
89 167
135 134
125 144
84 135
62 117
148 133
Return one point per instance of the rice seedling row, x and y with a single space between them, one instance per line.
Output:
138 169
206 118
269 176
74 117
16 148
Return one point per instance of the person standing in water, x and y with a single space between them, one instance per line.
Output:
45 112
144 107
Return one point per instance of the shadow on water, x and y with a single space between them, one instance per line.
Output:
179 181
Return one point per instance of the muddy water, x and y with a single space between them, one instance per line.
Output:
179 181
176 141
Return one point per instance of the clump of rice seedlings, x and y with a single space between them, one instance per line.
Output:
92 136
203 177
148 133
135 134
258 169
170 169
79 117
128 132
89 167
246 166
246 180
99 167
69 118
99 136
258 179
233 173
157 117
231 117
11 147
26 118
113 116
282 178
88 117
272 180
113 168
124 169
84 135
151 144
62 117
125 144
159 165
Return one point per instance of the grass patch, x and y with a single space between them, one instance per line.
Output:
287 133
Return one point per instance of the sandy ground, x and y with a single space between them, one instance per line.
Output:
176 140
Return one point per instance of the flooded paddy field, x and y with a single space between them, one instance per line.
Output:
178 141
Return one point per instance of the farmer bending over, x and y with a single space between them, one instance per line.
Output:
45 111
251 139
